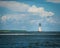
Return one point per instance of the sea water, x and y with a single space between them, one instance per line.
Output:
31 40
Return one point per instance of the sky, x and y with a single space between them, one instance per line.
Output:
27 14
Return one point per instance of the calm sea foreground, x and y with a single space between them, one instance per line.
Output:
29 40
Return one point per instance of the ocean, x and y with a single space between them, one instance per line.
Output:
30 40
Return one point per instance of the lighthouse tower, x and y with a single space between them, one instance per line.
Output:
39 29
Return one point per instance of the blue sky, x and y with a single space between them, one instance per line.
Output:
27 14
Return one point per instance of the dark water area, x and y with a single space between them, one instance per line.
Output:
30 40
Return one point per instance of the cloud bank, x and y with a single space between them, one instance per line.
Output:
21 7
40 11
14 18
15 6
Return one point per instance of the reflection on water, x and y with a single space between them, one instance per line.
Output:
29 41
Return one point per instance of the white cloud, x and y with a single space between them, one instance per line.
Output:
52 20
34 9
13 5
21 7
40 11
53 1
4 18
13 17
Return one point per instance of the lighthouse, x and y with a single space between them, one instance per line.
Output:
39 29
